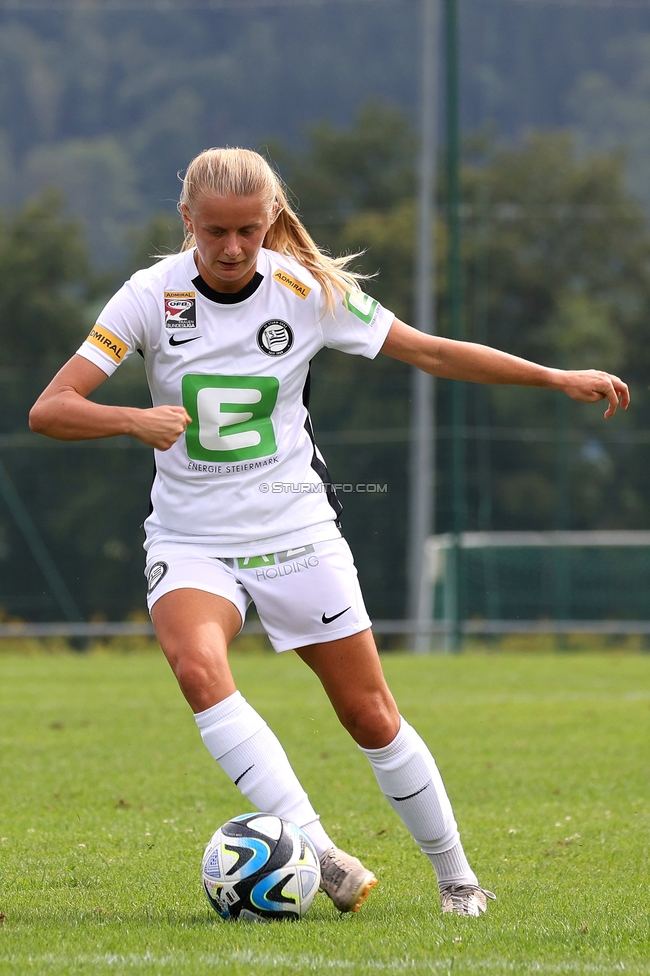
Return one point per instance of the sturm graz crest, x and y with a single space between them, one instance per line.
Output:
275 337
156 573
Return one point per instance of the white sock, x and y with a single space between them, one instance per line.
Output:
251 755
452 867
409 779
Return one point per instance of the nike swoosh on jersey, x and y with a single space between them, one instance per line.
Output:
173 341
328 620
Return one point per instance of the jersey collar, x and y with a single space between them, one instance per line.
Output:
226 298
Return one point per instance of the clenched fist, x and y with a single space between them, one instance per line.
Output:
160 427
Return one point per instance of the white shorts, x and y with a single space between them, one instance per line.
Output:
305 595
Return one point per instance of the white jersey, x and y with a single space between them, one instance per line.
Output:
239 364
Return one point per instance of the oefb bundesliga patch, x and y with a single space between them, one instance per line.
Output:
180 310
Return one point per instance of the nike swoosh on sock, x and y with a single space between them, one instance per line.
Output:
243 774
399 799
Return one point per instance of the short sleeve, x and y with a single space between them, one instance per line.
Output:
119 330
359 325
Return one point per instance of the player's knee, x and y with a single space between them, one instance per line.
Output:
195 678
189 673
372 720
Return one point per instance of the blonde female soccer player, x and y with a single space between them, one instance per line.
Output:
228 328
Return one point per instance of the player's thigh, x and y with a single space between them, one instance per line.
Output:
194 629
351 674
197 607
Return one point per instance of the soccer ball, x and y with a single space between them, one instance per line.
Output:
259 867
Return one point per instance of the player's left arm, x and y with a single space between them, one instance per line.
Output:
474 363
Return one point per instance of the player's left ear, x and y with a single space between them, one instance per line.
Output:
187 218
276 211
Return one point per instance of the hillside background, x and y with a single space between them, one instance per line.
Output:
109 106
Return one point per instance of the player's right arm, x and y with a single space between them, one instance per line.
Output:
63 411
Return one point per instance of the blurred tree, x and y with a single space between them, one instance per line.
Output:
44 288
557 271
612 108
367 167
161 236
74 493
98 181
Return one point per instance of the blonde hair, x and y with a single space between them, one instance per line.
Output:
219 172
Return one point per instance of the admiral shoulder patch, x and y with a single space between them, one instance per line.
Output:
297 287
108 343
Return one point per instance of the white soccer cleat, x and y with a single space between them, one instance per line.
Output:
464 899
345 880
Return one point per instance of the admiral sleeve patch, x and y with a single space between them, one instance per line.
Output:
108 343
297 287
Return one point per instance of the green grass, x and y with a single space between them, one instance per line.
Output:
107 798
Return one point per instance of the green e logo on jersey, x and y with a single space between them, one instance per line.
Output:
231 416
361 305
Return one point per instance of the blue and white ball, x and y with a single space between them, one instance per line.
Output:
259 867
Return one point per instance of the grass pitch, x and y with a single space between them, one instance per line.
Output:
108 798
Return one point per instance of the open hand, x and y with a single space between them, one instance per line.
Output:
160 427
590 385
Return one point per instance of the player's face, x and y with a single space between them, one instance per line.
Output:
229 232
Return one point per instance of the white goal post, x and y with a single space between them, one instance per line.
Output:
440 550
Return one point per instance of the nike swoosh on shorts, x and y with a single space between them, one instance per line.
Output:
328 620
